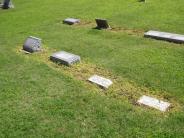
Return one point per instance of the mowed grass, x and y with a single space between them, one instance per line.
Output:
40 100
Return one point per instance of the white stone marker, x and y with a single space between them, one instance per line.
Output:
71 21
101 81
65 58
153 102
176 38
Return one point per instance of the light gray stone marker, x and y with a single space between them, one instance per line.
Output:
32 44
176 38
155 103
101 81
71 21
65 58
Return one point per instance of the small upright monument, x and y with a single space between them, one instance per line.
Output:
142 0
102 24
32 44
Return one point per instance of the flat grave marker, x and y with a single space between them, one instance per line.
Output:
101 81
176 38
154 103
32 44
71 21
65 58
102 24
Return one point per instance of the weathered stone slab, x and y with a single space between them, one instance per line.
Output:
102 24
32 44
65 58
101 81
176 38
71 21
154 103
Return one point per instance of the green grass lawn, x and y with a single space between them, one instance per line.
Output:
41 99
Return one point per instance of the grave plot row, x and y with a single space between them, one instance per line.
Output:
69 59
103 24
33 44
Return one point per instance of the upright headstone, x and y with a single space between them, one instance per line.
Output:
142 0
71 21
65 58
102 24
154 103
176 38
101 81
32 44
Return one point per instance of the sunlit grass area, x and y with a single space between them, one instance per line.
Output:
39 98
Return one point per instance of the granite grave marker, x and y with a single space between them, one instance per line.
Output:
102 24
176 38
71 21
65 58
32 44
154 103
101 81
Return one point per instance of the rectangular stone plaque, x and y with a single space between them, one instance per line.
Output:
32 44
176 38
101 81
102 24
153 102
65 58
71 21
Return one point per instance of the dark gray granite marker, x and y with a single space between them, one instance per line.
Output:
65 58
102 24
142 0
32 44
176 38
